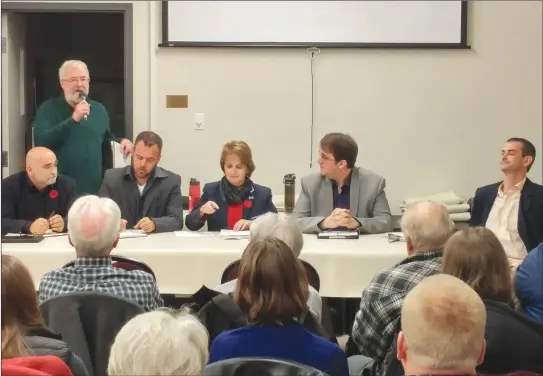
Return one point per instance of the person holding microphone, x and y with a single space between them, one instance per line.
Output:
75 129
234 201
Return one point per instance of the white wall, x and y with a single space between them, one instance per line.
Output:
426 120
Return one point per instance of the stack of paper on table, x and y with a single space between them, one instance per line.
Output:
338 235
132 234
231 234
48 234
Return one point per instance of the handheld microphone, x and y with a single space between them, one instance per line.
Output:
83 97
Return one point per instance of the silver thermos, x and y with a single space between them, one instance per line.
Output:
290 187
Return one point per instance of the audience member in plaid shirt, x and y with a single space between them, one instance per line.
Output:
426 227
93 229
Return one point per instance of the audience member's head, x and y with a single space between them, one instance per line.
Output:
337 155
476 256
41 167
272 285
426 226
147 153
281 227
237 162
93 226
162 342
443 325
518 156
19 307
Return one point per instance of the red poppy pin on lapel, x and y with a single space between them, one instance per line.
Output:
248 203
53 194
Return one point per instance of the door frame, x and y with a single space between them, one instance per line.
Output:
95 7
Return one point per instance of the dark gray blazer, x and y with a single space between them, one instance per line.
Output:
160 201
369 204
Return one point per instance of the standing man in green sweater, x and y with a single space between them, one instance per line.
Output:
75 129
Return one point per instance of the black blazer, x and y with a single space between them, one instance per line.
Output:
259 196
530 216
19 197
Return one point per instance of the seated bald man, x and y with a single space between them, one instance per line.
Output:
36 200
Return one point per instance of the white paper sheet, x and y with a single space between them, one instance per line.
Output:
231 234
119 160
48 234
132 234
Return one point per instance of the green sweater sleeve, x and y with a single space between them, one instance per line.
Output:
47 131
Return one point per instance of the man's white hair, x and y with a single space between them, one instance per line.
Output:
69 64
427 224
93 225
443 324
161 342
281 227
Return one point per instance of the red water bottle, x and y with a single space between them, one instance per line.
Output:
194 193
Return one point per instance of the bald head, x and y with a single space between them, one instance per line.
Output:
426 226
93 226
443 327
41 166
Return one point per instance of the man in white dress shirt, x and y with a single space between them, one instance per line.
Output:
512 208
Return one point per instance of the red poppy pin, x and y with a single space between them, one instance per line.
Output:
247 203
53 194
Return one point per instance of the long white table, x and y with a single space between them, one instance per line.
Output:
183 264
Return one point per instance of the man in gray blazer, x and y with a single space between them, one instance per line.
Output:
149 196
342 196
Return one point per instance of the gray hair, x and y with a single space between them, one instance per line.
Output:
281 227
427 225
69 64
93 225
161 342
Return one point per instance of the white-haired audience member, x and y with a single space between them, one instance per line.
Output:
443 328
163 342
284 228
426 227
93 230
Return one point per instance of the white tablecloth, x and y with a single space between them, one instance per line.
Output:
183 264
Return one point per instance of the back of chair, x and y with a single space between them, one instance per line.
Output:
260 367
231 272
513 341
125 263
88 323
312 276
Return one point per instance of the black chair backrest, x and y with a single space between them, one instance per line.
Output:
514 341
125 263
88 323
231 272
260 367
